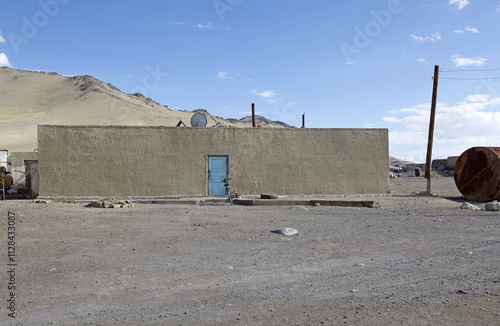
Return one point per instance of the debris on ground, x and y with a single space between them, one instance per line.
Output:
109 203
42 201
285 231
467 205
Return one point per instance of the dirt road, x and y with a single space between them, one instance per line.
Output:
417 260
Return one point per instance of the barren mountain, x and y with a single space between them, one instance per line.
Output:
30 98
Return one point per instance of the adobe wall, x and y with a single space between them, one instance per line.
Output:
163 161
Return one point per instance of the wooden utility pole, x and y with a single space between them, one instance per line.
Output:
428 162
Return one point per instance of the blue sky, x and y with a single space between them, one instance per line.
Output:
346 64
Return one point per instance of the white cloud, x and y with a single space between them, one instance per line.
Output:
2 39
177 23
227 74
461 4
4 61
471 29
210 26
268 95
474 121
422 60
434 38
466 29
418 38
461 61
206 26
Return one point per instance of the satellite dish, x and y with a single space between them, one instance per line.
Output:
198 120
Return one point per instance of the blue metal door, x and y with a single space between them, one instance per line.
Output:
217 171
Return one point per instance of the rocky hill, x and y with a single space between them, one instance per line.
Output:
397 164
30 98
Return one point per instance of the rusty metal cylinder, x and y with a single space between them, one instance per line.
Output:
477 174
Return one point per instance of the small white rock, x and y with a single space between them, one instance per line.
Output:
285 231
466 205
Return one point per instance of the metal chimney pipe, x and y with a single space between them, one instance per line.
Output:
253 115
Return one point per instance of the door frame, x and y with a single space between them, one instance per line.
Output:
207 176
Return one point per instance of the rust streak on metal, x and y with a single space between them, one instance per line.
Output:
477 174
472 179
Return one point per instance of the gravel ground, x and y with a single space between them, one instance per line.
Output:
417 260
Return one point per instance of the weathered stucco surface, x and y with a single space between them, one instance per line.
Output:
163 161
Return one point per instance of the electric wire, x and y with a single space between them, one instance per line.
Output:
472 78
468 70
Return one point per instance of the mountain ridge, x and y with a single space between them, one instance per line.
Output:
29 98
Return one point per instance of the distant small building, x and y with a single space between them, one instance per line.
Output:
450 162
19 166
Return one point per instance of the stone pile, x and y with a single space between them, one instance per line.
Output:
439 165
109 203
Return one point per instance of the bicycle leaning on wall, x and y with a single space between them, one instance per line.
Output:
228 191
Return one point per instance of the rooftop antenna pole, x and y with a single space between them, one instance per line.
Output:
253 115
428 162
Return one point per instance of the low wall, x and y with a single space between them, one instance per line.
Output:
103 160
411 166
450 162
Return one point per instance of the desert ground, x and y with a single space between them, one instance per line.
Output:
411 259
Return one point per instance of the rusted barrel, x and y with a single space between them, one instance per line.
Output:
477 174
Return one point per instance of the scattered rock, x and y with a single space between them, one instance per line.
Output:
492 206
466 205
109 203
42 201
285 231
462 291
